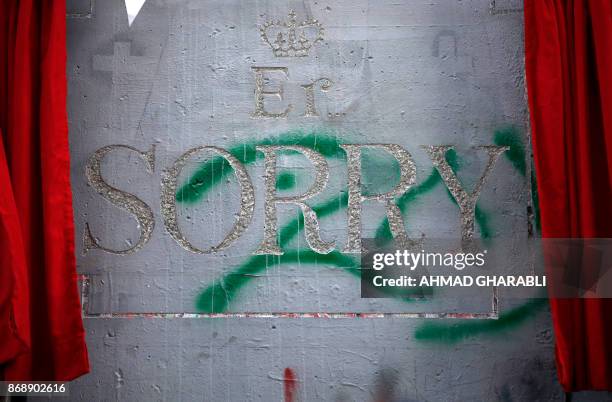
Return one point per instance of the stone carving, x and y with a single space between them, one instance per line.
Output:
291 38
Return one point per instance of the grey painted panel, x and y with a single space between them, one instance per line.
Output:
405 72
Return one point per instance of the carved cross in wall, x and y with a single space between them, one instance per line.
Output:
122 63
132 78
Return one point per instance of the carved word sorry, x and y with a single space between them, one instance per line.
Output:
269 245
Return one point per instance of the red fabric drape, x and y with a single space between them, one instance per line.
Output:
568 58
41 331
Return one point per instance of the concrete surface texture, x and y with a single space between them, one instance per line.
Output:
166 323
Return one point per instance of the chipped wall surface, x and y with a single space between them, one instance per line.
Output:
166 322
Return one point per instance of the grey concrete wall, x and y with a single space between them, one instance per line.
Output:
404 72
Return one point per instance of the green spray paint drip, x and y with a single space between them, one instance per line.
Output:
439 332
511 137
210 173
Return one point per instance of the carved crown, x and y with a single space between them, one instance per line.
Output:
290 38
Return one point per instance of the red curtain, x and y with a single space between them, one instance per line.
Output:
568 48
41 331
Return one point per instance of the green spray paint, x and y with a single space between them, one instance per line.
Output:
456 332
383 234
451 333
216 297
286 181
511 137
210 173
